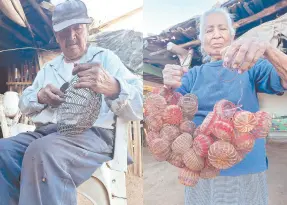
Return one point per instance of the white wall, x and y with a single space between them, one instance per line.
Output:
274 104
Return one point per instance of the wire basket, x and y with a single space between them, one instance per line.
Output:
79 111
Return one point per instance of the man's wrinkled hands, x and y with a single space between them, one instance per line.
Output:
50 95
96 78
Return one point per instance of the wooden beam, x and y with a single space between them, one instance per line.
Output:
107 24
40 11
185 45
15 32
47 5
248 9
258 4
266 12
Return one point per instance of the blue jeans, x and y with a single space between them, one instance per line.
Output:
45 168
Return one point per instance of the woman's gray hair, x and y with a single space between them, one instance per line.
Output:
202 22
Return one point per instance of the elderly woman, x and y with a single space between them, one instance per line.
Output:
259 68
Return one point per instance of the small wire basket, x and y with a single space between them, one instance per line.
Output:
79 111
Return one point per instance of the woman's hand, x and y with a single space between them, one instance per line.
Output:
244 53
172 75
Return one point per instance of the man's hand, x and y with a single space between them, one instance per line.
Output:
51 96
172 75
243 53
96 78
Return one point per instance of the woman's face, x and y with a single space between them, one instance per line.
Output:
216 35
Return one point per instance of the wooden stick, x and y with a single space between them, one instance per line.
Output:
114 21
47 5
19 83
185 45
176 49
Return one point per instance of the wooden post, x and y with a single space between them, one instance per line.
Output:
130 146
137 149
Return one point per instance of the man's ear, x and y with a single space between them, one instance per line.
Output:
55 36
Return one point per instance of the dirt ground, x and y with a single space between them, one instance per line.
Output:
161 185
134 192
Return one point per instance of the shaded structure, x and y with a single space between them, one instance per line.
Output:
247 15
27 41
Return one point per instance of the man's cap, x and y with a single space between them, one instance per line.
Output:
69 13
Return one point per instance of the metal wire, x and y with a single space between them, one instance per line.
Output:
79 111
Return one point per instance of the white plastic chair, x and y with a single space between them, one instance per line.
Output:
107 186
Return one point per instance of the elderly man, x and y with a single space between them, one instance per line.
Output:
44 167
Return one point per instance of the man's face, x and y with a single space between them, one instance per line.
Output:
216 35
73 41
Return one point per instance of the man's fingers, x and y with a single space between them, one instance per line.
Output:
85 79
82 85
56 91
55 99
84 66
84 73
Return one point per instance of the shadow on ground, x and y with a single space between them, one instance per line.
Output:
161 185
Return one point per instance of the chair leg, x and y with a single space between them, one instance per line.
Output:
105 187
95 191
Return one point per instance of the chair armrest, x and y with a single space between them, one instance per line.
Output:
119 162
